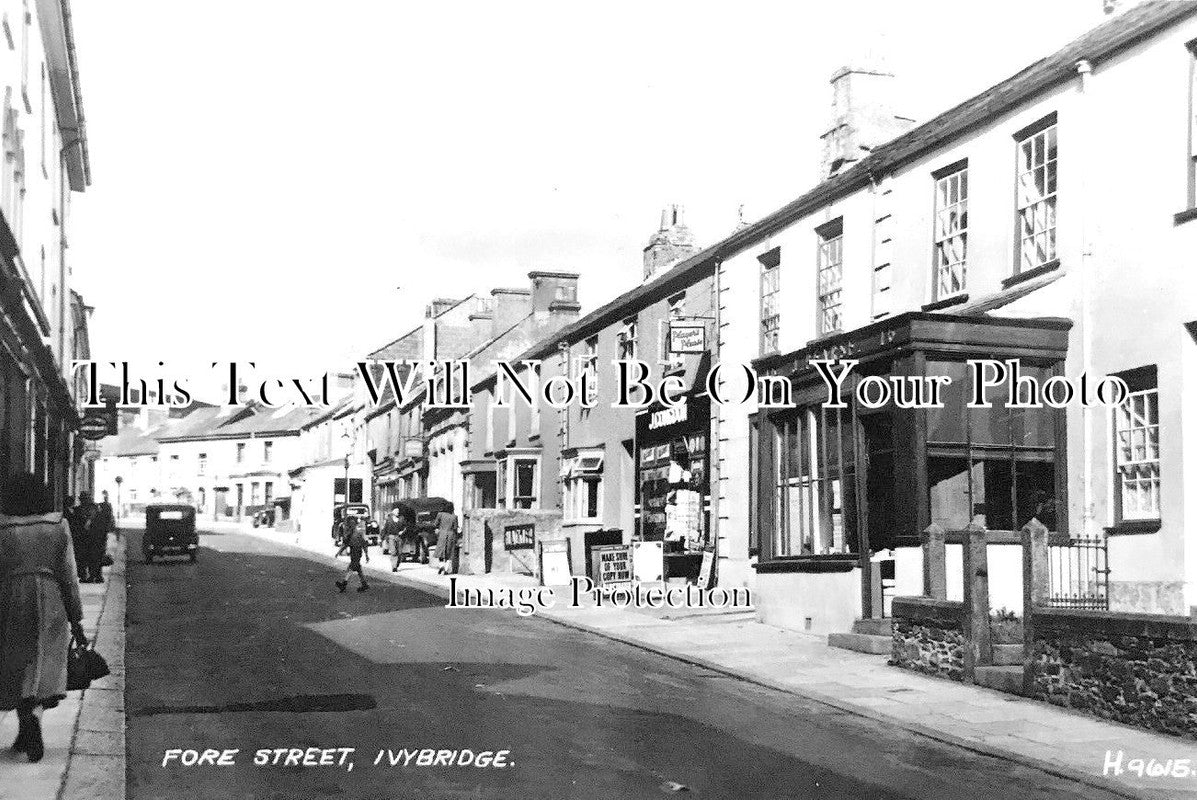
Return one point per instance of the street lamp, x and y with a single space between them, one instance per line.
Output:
118 480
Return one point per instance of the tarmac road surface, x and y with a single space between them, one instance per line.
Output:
253 649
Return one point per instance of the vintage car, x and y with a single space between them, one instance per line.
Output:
169 530
360 512
420 539
262 516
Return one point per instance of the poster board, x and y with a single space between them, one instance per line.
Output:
519 537
555 569
611 567
648 562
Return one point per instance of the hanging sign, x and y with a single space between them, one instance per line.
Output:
687 338
94 426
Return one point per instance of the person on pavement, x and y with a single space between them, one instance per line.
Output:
446 539
393 531
84 518
358 546
102 523
39 595
106 508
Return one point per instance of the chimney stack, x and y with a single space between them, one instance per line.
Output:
554 293
672 243
440 305
509 307
862 117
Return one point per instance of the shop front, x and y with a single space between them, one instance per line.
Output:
672 484
842 494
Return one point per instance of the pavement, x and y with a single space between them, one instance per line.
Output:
85 733
1094 752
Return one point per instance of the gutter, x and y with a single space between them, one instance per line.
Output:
68 33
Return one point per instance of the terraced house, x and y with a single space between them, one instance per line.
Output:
1003 228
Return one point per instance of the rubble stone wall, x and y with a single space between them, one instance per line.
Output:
929 636
1138 669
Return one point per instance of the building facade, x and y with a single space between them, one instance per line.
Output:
1000 229
45 163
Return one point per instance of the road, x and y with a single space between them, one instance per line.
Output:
252 648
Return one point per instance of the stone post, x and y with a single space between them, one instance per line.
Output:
978 643
935 568
1036 586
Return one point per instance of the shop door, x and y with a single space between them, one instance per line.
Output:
878 431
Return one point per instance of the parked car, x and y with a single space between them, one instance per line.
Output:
169 530
360 512
421 513
262 516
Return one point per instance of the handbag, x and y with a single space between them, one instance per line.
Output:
84 665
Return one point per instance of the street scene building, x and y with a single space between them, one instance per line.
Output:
43 320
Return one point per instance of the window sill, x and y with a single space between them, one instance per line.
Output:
1029 274
1134 526
577 523
947 302
1184 216
828 563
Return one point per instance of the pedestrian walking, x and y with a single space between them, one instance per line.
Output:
106 509
80 524
102 523
393 531
358 546
446 539
39 607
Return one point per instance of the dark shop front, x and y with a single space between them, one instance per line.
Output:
841 495
672 482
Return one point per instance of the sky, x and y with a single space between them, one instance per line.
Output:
292 182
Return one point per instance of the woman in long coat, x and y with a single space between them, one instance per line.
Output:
446 538
39 606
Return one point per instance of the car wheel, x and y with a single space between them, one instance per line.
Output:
423 551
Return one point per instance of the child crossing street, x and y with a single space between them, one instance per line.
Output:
358 546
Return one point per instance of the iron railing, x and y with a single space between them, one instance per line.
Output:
1080 573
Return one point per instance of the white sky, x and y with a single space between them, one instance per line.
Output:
267 172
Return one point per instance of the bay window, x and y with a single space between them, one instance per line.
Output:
814 502
582 477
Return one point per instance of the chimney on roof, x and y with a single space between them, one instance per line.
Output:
510 306
440 305
554 293
670 244
863 117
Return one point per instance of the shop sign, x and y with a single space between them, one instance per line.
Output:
519 537
669 416
687 339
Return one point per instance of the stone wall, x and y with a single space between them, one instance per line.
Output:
482 541
929 636
1138 669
